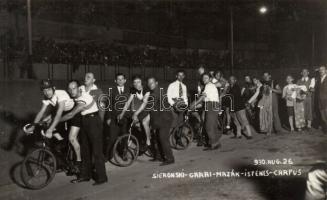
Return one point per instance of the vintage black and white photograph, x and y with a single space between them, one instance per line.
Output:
163 99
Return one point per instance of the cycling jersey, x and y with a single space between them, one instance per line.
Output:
60 96
87 99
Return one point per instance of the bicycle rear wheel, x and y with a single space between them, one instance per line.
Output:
126 150
38 169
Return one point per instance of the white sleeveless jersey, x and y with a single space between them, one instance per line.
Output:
60 96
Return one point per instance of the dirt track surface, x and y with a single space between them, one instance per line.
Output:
137 182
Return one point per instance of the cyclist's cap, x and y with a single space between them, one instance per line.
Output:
45 84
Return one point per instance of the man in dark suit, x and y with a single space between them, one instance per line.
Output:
118 96
161 119
322 96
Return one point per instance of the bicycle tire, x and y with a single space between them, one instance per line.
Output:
120 147
184 139
190 134
26 167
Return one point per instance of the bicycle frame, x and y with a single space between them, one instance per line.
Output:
130 131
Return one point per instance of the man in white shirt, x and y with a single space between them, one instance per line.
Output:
89 83
177 98
91 136
58 101
211 98
91 88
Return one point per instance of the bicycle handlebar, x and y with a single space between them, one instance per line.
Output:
39 124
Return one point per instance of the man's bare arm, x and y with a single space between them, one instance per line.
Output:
196 102
77 109
40 114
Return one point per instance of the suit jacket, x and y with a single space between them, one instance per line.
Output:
116 101
322 94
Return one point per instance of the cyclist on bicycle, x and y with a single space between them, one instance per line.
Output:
57 102
137 103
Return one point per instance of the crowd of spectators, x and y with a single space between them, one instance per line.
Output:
95 53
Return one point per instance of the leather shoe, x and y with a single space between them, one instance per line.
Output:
167 162
100 182
79 180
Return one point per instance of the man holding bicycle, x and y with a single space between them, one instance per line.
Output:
160 117
211 98
91 135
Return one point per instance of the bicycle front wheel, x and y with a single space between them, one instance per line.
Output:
181 137
126 150
38 169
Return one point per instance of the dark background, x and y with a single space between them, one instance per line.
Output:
161 34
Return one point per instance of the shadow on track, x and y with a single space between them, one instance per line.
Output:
16 139
15 175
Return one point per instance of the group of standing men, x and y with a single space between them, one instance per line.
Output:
87 113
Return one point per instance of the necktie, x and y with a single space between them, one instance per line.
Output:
180 90
138 91
120 90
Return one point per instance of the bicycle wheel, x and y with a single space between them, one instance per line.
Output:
179 138
187 130
126 150
38 169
